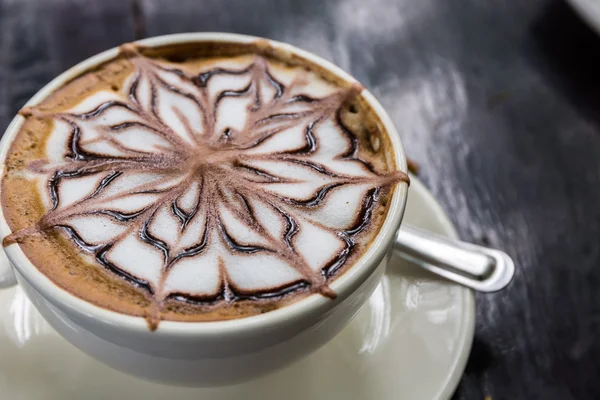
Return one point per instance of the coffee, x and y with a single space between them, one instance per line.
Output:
196 183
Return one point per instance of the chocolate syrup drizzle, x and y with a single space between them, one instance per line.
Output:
220 163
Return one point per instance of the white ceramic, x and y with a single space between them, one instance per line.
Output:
410 342
209 353
589 10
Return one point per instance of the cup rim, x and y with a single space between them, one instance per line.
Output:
343 285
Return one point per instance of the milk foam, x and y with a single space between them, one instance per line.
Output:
236 181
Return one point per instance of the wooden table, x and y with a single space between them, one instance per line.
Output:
497 100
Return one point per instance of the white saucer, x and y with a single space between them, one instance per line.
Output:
410 342
589 10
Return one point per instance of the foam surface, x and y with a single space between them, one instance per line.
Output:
236 181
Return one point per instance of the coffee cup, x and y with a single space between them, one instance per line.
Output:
214 352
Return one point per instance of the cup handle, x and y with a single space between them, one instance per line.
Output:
7 277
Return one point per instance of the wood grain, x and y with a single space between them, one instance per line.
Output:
497 101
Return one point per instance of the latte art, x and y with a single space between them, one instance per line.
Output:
236 179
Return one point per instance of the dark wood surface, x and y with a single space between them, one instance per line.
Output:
497 100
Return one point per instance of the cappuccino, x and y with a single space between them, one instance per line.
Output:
198 183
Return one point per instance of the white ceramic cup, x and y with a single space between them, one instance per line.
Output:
206 353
